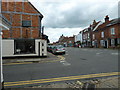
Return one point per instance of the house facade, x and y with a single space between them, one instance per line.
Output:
66 41
88 34
78 39
102 34
25 19
25 35
107 34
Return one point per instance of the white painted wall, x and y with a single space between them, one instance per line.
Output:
78 37
8 47
44 47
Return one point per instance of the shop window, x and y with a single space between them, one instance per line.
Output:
24 46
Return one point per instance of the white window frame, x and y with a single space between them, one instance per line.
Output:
88 35
102 34
112 31
93 36
102 42
112 42
118 40
93 43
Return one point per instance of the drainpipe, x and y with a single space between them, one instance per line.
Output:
42 32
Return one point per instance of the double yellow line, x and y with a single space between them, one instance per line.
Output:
59 79
59 59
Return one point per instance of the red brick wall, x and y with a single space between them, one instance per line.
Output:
16 33
16 19
6 34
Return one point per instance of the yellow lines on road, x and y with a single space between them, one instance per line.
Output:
17 63
60 58
6 84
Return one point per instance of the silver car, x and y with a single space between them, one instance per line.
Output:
59 49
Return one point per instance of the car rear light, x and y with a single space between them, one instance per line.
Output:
56 49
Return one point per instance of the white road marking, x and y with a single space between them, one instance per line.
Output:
114 53
62 61
97 53
66 64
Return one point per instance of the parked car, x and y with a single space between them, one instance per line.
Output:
59 49
50 47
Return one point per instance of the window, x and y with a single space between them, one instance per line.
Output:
102 34
93 36
112 42
118 40
85 36
88 35
112 31
26 23
102 42
24 46
93 43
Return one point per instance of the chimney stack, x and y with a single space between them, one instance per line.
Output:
94 22
107 18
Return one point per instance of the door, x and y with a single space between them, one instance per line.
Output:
105 44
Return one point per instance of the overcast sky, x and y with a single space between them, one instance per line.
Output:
68 17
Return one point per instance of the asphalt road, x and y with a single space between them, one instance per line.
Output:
78 61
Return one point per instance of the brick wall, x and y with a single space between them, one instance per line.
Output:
16 12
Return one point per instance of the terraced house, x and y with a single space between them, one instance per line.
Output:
102 34
107 34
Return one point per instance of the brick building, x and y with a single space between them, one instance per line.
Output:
25 34
102 34
67 41
88 34
107 34
25 19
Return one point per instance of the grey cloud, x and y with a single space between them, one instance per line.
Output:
81 15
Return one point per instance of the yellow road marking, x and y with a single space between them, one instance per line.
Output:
60 58
60 79
17 63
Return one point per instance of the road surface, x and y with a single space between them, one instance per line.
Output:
76 62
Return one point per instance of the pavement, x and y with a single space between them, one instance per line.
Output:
106 82
27 60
